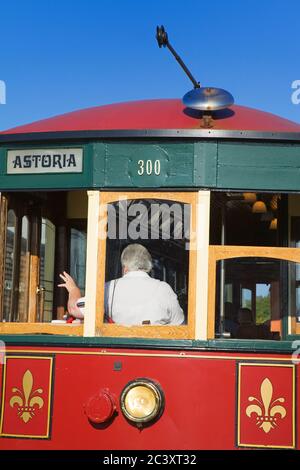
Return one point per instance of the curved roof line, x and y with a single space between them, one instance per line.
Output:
156 118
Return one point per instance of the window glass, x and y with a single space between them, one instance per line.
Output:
47 257
294 298
246 219
263 303
295 241
78 256
40 243
9 271
246 297
162 227
24 270
259 297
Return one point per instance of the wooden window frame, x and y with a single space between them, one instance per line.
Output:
30 326
95 275
94 324
223 252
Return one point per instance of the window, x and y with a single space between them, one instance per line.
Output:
254 308
24 270
46 233
254 274
246 219
164 223
78 255
16 268
162 226
36 237
9 284
46 278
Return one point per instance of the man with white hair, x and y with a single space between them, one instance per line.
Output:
135 298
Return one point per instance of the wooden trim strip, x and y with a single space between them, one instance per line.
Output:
233 251
211 294
92 272
108 197
41 328
201 307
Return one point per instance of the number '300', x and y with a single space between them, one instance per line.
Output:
148 167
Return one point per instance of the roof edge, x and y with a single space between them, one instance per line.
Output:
150 133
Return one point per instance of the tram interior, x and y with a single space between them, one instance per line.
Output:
163 228
253 293
46 233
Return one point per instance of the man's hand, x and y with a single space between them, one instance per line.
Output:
74 294
69 282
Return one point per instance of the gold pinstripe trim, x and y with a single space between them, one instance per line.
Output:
181 355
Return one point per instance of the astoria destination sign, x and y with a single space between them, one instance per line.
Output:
63 160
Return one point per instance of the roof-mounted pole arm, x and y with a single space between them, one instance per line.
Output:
162 39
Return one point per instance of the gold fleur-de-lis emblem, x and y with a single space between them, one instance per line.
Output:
267 411
27 400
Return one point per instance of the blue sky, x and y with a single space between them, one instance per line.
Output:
60 55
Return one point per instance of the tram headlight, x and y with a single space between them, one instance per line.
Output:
142 401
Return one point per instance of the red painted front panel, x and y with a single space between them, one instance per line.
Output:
201 392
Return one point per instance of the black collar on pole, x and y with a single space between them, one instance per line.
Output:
162 39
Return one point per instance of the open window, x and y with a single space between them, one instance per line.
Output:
254 266
164 223
45 233
42 234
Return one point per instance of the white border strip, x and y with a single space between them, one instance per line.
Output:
203 216
91 263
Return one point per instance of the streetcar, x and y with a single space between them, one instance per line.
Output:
214 195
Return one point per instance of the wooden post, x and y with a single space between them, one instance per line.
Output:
34 269
202 240
91 263
61 262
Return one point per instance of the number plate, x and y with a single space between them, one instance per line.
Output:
149 165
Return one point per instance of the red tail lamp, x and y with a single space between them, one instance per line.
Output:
101 407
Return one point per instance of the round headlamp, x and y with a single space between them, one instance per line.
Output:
142 401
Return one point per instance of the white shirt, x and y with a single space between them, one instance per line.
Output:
136 298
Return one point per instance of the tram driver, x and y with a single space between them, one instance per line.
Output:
135 298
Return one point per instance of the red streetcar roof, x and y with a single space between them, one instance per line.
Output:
156 114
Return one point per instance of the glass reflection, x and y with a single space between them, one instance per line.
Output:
78 257
47 258
9 269
24 271
252 299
